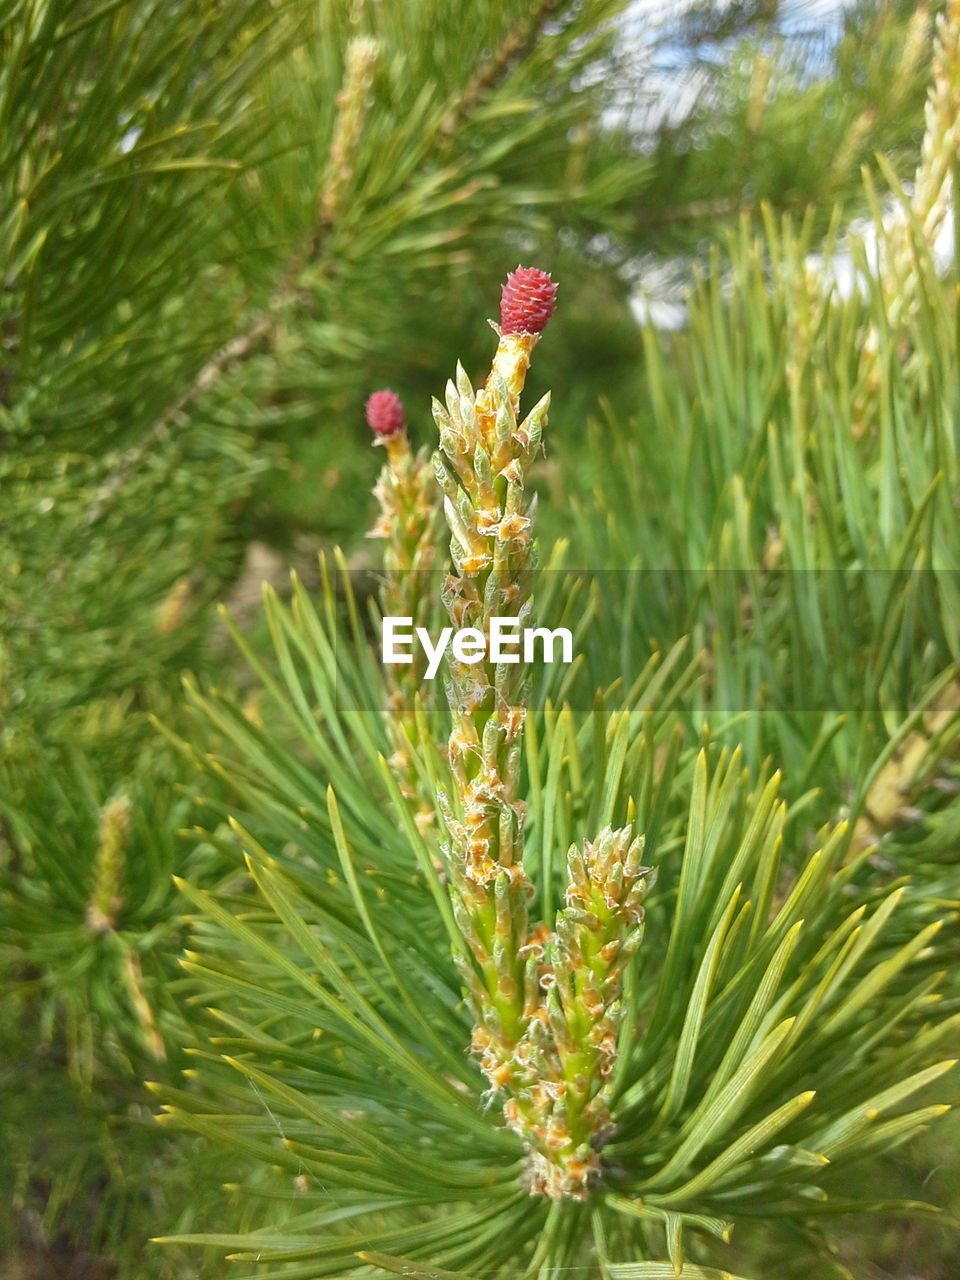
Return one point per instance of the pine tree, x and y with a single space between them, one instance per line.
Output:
631 1097
224 227
629 1104
210 219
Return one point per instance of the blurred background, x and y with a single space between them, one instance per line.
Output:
222 226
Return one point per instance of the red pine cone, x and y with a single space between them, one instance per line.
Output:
384 412
527 300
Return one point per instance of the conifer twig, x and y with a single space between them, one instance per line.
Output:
545 1000
232 353
483 457
352 102
492 72
409 522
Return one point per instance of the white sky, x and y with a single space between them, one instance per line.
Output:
660 284
658 10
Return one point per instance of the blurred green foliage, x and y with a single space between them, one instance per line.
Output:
196 301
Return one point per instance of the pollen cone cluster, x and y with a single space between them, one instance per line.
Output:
544 1000
484 457
114 835
410 525
932 185
930 204
561 1070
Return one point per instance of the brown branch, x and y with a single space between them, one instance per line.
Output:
352 102
230 354
694 210
495 70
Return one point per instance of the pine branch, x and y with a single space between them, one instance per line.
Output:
517 42
352 103
230 355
